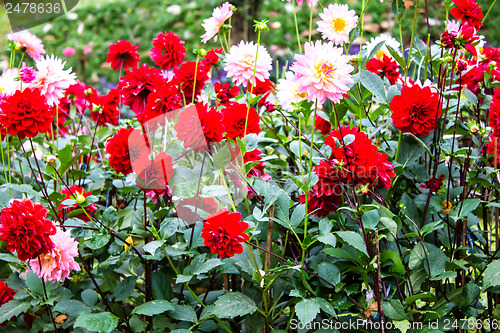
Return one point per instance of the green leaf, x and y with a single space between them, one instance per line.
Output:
23 188
89 297
437 260
467 206
151 247
103 322
183 313
34 283
330 273
222 158
207 266
492 275
374 84
354 239
394 310
325 306
161 285
398 8
125 289
307 310
109 216
232 305
370 219
98 241
71 307
397 265
298 215
399 59
342 253
152 308
13 308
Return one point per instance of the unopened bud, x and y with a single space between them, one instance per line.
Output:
88 92
50 159
474 129
79 198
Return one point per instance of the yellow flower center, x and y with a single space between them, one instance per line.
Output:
380 54
79 198
338 24
325 70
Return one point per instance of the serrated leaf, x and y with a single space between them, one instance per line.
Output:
232 305
394 310
307 310
492 275
151 247
103 322
354 239
152 308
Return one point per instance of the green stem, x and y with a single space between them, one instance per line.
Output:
485 15
407 62
296 27
253 85
399 146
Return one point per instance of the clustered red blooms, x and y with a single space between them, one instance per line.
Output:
494 116
118 148
168 50
235 120
464 37
26 113
25 230
434 182
224 93
385 68
185 77
322 125
416 110
156 174
123 55
198 126
354 161
223 232
78 194
106 108
136 86
161 101
252 156
468 11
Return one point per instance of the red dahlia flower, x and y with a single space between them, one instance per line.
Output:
161 101
319 202
24 228
468 11
26 113
156 174
118 148
122 55
322 125
75 95
212 122
490 150
223 232
416 110
253 156
78 194
212 57
224 93
107 110
436 183
136 86
186 208
184 78
387 67
495 117
6 294
235 118
168 50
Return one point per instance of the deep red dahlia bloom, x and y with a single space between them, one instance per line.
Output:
212 57
416 110
468 11
24 228
385 170
118 148
223 232
490 150
122 55
235 118
491 54
322 125
186 208
436 184
263 88
136 86
495 117
212 122
387 67
164 99
184 78
168 50
224 93
78 194
156 174
252 156
26 113
75 95
319 202
107 110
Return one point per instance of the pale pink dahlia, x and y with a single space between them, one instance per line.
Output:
31 43
323 71
336 23
241 63
287 92
52 79
57 264
212 25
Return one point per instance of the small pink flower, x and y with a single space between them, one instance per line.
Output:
213 24
57 264
86 49
68 51
27 74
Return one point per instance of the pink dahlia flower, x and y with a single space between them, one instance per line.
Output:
58 262
322 72
52 79
336 23
241 63
31 43
212 25
68 51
